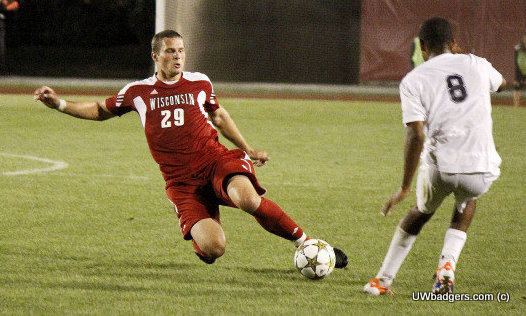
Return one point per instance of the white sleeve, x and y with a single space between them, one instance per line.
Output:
412 108
495 77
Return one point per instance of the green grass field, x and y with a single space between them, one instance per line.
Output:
100 236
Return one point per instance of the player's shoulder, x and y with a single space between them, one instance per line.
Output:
195 76
477 58
481 62
150 81
412 76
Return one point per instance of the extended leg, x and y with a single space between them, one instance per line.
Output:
402 242
268 214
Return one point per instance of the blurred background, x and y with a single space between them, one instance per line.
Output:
303 41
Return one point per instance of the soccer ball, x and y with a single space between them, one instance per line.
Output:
315 259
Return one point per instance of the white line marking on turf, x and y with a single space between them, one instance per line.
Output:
55 165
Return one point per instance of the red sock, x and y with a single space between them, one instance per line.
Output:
275 220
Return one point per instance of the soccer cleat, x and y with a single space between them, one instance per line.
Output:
206 260
444 279
377 287
341 258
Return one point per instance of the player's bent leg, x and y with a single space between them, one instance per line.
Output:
454 241
431 190
401 244
209 240
470 187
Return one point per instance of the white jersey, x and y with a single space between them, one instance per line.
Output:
451 93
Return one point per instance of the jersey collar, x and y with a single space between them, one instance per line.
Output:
169 83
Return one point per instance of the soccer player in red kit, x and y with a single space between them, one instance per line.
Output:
179 111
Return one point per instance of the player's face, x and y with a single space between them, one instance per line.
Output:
170 59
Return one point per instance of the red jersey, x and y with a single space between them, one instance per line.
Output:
175 119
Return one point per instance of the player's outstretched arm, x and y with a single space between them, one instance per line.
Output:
226 125
414 143
85 110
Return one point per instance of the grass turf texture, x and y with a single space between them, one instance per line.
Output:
101 237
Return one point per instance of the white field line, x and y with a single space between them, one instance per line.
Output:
55 165
59 165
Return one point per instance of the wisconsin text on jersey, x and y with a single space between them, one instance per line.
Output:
177 99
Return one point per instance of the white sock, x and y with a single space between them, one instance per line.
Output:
300 240
454 241
401 244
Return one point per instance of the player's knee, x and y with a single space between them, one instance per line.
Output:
414 221
243 195
214 248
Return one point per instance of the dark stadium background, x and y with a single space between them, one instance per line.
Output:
303 41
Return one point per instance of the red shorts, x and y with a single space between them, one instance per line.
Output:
194 202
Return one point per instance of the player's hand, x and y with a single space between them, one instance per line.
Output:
47 96
396 198
259 157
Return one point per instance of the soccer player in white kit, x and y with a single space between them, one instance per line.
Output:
446 108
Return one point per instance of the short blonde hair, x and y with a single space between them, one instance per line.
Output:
158 38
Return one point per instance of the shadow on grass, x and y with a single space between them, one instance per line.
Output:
27 253
267 271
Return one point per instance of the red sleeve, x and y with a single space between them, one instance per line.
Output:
119 105
211 103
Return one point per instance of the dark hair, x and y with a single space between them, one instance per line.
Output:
435 33
157 39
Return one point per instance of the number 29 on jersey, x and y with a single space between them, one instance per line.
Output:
169 120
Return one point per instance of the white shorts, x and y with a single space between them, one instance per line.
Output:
433 186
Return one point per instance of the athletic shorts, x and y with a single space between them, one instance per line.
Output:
433 186
194 202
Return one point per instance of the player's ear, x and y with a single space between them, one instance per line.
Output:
154 56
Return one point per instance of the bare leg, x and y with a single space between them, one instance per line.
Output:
209 237
462 221
242 193
402 242
413 222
